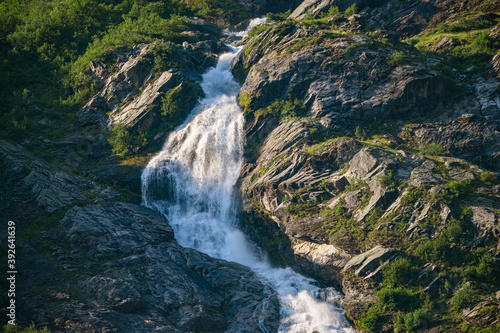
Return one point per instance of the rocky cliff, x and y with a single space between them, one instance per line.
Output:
374 161
372 165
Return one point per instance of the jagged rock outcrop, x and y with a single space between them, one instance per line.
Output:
33 188
311 7
342 80
471 137
140 112
118 267
133 94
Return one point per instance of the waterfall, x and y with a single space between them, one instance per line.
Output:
191 181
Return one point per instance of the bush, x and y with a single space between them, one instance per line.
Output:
397 273
395 59
488 178
369 320
412 321
393 299
283 109
332 11
465 296
278 17
457 188
351 10
433 149
120 140
177 103
388 180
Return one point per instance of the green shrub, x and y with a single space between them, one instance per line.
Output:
458 188
283 109
488 178
359 134
332 11
393 299
465 296
120 140
351 10
410 322
355 184
398 273
388 180
177 103
395 59
369 319
257 30
278 17
433 149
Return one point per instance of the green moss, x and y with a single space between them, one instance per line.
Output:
245 100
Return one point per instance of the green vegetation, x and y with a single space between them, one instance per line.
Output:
282 109
369 319
178 102
395 59
19 329
278 17
469 43
393 299
433 149
120 139
351 10
332 11
488 178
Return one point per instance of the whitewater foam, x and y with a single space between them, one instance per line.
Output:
191 181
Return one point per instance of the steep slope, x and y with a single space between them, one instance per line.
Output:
372 164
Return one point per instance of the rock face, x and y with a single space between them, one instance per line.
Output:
133 94
138 112
116 266
311 7
342 80
471 137
124 271
32 187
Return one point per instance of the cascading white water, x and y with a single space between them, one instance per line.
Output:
191 181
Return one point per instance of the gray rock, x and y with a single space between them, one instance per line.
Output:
144 110
486 222
311 7
32 187
129 274
366 263
471 137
